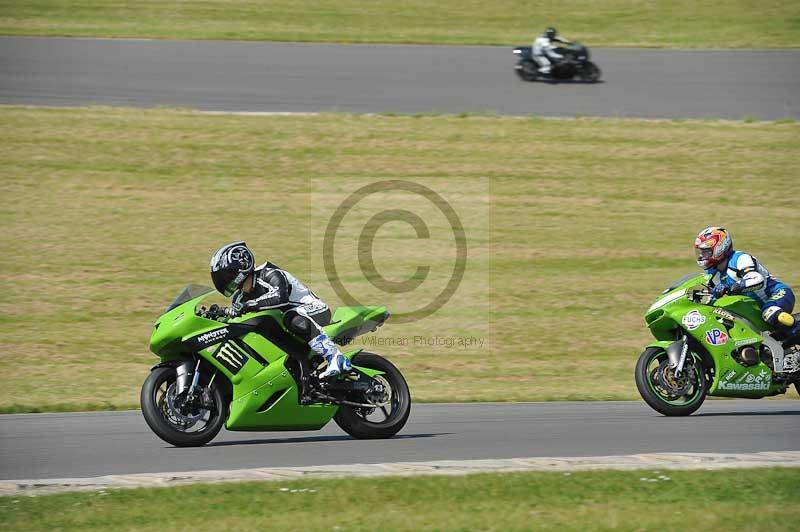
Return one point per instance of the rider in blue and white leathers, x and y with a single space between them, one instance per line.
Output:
736 272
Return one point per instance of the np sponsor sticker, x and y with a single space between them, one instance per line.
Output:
716 337
693 320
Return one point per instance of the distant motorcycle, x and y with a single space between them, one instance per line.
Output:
575 64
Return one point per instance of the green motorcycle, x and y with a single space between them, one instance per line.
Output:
251 374
711 347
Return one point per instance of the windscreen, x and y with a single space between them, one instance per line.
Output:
190 292
679 282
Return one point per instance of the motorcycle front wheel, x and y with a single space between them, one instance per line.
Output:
527 71
172 423
389 414
665 392
590 73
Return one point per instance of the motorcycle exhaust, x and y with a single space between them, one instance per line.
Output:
747 356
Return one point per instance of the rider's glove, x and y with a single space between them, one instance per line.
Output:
238 308
720 290
234 310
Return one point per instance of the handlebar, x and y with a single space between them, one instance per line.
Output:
703 296
212 313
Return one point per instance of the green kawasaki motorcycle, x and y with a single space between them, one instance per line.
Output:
239 373
707 347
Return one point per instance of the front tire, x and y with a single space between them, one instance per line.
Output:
359 422
527 71
171 425
665 393
591 73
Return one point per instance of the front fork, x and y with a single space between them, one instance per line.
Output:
676 352
188 377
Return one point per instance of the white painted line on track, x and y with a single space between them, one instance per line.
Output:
655 461
190 110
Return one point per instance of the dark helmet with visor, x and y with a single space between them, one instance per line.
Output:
550 33
230 266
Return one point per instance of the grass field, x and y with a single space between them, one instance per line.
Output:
661 23
637 500
573 227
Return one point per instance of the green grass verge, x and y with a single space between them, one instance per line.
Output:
605 500
676 23
574 227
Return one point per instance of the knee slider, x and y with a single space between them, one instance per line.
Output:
786 319
776 315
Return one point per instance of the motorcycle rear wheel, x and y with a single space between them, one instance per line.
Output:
172 426
360 422
652 373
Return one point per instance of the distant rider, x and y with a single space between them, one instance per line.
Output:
544 52
252 289
736 272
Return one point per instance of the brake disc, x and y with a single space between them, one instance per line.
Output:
675 386
175 404
380 396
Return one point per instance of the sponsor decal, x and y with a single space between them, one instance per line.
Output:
315 307
724 314
213 336
747 341
693 320
767 314
231 358
716 337
777 295
747 382
743 387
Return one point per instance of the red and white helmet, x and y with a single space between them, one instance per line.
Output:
712 246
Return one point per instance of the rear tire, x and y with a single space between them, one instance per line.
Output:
353 420
157 415
658 396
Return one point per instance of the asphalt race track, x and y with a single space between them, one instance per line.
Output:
282 77
103 443
287 77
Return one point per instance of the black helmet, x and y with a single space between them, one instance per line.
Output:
550 33
230 266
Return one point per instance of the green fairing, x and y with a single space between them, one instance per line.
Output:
730 378
254 384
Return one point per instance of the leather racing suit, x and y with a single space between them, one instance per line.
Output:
304 314
744 274
543 53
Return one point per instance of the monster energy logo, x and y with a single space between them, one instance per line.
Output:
213 335
230 357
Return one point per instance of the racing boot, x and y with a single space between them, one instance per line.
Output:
337 362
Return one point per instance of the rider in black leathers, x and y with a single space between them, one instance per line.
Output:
234 274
